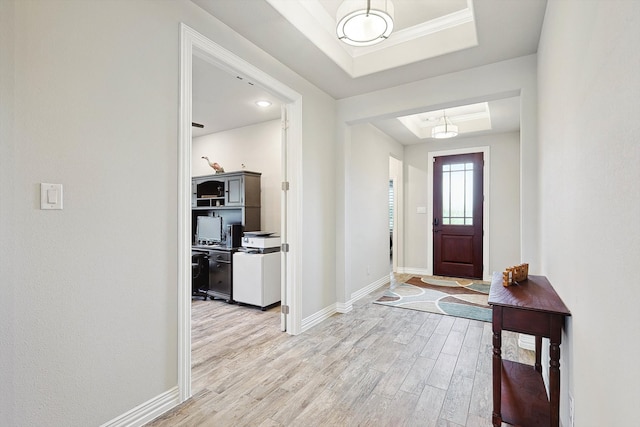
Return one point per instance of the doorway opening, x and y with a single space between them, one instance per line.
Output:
237 128
193 43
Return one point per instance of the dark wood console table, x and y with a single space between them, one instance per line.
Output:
519 396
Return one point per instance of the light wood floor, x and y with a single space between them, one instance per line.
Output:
374 366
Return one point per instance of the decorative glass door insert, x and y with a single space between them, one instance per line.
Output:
457 194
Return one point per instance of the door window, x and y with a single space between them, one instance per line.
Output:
457 194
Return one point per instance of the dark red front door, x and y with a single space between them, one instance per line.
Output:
457 215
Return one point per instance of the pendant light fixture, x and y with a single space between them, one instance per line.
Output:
364 22
444 129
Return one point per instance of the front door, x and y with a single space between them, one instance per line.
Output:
457 215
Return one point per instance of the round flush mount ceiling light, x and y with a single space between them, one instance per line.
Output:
364 22
263 104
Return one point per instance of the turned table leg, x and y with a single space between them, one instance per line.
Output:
538 364
554 370
496 418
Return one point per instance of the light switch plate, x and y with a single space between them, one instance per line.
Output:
421 209
50 196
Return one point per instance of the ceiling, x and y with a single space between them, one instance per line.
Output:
222 101
430 38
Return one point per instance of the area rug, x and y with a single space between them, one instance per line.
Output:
454 297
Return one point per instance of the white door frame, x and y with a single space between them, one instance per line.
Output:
486 274
395 173
194 43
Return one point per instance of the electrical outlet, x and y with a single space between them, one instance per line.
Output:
572 414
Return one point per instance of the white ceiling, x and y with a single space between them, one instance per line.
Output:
222 101
422 30
504 29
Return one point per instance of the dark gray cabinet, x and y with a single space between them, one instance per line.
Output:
243 189
235 196
220 279
235 190
215 280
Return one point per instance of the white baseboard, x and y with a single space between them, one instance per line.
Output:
342 307
416 271
425 272
147 411
369 288
360 293
314 319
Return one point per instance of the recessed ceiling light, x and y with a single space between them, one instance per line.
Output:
263 104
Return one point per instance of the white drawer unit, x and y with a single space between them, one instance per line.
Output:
256 278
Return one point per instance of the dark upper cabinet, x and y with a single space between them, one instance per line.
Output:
235 190
233 195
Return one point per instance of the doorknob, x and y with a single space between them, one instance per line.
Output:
435 221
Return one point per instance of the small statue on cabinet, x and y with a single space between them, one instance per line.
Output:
216 167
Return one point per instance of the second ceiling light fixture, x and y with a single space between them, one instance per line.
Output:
444 129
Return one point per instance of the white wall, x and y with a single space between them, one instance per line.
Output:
7 233
93 286
318 203
590 234
258 147
504 201
368 200
89 294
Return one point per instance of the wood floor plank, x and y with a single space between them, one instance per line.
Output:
268 422
404 406
414 348
434 346
386 355
481 402
460 324
390 384
429 325
453 343
374 366
445 325
467 362
265 408
455 407
297 402
417 377
473 337
408 332
428 407
373 411
442 371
